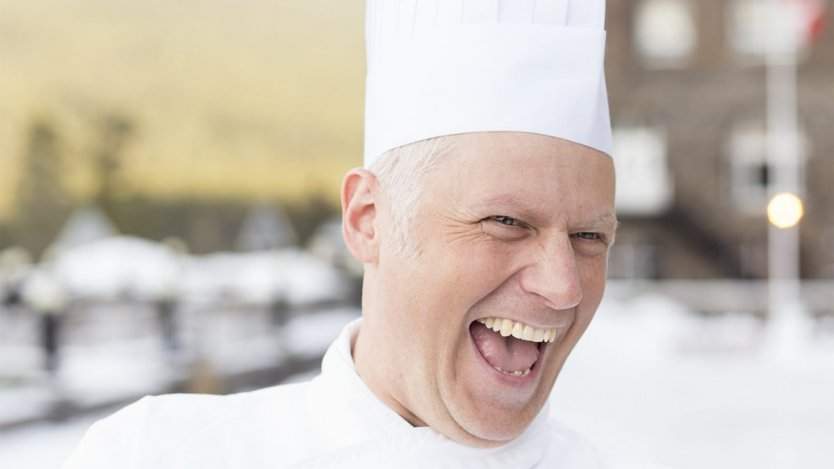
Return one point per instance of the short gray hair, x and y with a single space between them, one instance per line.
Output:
401 172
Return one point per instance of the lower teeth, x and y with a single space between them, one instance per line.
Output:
514 373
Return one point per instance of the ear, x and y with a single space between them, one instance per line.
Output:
359 211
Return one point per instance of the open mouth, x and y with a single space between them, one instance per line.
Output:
510 347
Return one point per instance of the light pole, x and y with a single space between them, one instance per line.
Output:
785 209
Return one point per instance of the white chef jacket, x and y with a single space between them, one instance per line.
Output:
332 421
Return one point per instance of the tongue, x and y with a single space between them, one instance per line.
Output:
507 353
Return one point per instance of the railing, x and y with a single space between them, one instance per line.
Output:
722 296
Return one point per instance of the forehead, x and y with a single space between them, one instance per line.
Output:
546 176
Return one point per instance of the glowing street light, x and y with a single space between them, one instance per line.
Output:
785 210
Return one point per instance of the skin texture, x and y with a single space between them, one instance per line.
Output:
545 265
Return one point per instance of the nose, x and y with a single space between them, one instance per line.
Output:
553 275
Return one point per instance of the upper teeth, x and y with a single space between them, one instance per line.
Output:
519 330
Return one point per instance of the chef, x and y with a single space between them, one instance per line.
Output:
483 217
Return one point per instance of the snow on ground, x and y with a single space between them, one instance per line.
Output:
43 446
112 372
651 385
654 387
297 276
25 402
118 266
310 335
109 267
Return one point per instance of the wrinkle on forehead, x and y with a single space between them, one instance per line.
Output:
543 177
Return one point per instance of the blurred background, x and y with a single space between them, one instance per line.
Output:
169 219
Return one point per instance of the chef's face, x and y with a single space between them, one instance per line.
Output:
512 234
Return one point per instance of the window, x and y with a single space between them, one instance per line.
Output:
752 30
751 175
748 27
644 185
665 32
634 261
749 171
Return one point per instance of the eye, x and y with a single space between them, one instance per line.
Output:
505 220
590 243
505 228
589 236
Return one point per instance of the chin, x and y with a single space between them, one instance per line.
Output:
498 435
493 426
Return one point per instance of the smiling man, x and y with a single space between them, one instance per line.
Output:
466 328
483 218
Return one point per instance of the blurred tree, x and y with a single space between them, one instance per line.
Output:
5 236
41 201
208 224
265 227
308 214
205 224
115 130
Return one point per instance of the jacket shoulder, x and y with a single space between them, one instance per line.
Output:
175 429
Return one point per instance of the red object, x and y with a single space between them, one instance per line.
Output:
814 12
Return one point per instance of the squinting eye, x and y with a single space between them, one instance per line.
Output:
589 236
505 220
504 228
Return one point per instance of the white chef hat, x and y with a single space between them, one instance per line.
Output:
442 67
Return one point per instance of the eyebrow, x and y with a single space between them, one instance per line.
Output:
512 202
608 218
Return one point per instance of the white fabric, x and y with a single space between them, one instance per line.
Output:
332 421
443 67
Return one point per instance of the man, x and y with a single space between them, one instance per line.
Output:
483 218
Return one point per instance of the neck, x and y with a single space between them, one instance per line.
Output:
366 359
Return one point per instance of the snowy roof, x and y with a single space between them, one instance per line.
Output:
85 225
264 228
118 265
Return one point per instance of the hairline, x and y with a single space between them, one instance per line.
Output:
401 173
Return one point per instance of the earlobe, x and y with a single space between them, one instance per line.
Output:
359 191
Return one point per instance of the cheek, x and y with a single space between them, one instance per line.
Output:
466 265
592 269
592 272
452 281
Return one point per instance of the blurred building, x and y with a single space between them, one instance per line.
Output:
687 83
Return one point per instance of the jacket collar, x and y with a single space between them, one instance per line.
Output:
349 417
